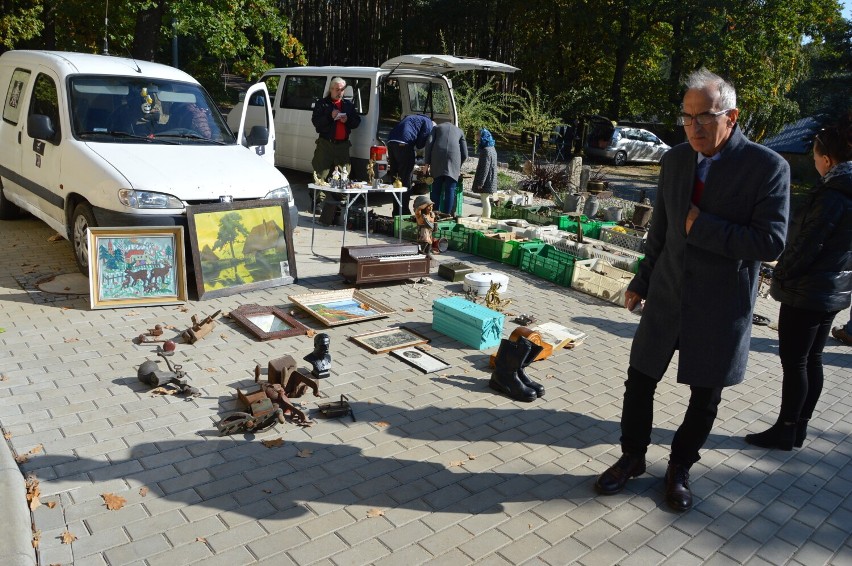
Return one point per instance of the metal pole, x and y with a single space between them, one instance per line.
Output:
174 45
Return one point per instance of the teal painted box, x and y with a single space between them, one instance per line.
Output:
477 326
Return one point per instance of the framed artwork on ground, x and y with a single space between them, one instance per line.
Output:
389 339
139 266
267 323
240 246
345 306
421 359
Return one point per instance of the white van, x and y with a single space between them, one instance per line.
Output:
408 84
92 140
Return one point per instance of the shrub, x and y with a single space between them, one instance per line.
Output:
544 171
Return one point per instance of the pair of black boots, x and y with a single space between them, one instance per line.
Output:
509 376
781 436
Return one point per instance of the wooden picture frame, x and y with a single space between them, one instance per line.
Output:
267 323
421 359
241 246
136 266
382 341
333 308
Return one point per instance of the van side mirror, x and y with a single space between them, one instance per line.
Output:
259 135
41 127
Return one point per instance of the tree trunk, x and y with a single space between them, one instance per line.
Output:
146 36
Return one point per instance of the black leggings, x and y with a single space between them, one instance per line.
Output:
638 413
802 335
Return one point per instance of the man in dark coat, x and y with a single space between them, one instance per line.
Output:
722 206
409 135
334 118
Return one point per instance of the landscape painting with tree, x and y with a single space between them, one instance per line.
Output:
241 246
136 266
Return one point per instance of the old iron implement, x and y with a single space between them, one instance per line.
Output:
149 373
244 422
199 329
153 336
336 409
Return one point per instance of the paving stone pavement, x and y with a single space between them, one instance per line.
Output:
437 468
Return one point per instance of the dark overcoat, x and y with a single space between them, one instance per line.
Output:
700 288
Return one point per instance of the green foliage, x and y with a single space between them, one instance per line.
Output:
480 107
531 114
515 161
505 182
21 24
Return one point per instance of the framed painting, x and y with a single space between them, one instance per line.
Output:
333 308
139 266
389 339
240 246
267 323
421 359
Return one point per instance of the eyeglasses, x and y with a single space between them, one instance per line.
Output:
703 119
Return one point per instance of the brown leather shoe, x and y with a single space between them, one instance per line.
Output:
840 333
615 478
678 495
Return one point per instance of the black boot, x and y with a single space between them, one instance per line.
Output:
678 494
801 432
781 435
505 378
535 350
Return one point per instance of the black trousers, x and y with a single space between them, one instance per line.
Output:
638 413
401 164
802 335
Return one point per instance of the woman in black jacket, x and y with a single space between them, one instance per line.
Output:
813 282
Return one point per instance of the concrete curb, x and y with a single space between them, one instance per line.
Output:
16 544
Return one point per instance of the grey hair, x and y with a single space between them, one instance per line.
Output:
335 80
702 79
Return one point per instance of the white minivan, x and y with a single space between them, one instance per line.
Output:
93 140
408 84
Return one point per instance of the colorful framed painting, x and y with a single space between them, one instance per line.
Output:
389 339
240 246
139 266
267 323
333 308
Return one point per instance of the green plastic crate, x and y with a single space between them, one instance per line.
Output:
547 262
508 252
458 236
409 226
541 215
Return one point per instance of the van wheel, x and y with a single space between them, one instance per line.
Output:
620 158
81 221
8 210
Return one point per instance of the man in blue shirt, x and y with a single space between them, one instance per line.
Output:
410 134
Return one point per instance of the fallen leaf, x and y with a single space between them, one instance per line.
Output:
51 504
550 376
7 436
471 456
69 340
375 513
55 238
113 502
408 309
169 326
22 459
200 539
4 377
68 538
183 309
456 463
143 491
272 442
36 449
224 337
267 491
364 307
211 370
162 391
311 333
132 313
382 424
36 538
304 453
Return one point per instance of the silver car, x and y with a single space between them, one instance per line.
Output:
623 144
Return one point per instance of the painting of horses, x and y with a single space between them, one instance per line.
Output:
240 246
139 266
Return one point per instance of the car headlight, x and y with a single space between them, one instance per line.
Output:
281 192
148 199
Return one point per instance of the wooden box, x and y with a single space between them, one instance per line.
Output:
472 324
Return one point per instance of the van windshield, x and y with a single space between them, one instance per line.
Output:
113 109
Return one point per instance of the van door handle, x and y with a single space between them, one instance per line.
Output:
19 137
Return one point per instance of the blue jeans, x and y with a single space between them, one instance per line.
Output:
443 194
